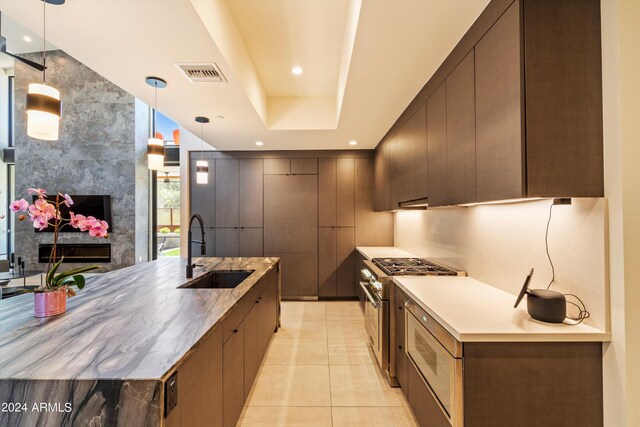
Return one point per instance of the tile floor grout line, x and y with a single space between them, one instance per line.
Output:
326 325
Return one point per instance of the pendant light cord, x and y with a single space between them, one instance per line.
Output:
201 141
44 41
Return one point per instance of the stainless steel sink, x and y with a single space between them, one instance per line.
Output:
218 279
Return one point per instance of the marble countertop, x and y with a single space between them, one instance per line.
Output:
473 311
131 323
370 252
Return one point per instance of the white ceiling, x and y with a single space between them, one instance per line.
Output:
19 40
363 61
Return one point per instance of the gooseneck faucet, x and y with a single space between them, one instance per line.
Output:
203 245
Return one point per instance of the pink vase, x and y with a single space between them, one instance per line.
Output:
47 304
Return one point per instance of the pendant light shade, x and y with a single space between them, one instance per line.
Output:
202 166
202 172
43 112
155 153
155 145
43 102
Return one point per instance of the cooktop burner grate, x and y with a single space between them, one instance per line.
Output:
412 267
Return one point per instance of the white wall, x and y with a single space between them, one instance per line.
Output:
621 62
499 244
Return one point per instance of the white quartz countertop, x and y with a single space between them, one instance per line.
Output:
473 311
370 252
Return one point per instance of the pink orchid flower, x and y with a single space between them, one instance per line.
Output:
67 199
19 205
40 222
76 220
40 192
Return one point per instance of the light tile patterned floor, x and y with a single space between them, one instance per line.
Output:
319 372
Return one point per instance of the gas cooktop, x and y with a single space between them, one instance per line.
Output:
412 267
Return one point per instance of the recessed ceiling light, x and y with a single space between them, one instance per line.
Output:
296 70
259 143
353 142
27 39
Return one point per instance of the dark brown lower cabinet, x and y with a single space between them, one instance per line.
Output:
398 354
233 381
423 404
200 386
357 278
215 380
252 346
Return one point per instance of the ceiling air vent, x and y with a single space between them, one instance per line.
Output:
198 73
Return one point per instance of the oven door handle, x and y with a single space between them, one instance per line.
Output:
374 302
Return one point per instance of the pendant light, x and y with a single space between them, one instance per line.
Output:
43 102
155 146
202 166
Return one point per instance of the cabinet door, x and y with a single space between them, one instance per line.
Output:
372 228
421 400
437 147
499 136
200 384
379 171
202 196
412 157
357 277
250 242
269 309
291 214
400 359
461 131
251 186
227 188
299 274
233 377
304 166
227 242
277 166
252 346
345 261
392 181
327 261
327 189
345 192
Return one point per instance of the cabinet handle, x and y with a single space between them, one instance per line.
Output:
400 308
235 331
399 347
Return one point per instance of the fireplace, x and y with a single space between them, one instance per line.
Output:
76 252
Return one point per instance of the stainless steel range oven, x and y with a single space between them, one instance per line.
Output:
376 282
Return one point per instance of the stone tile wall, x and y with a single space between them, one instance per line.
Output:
98 152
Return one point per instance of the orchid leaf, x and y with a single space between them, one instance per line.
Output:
73 272
79 279
53 270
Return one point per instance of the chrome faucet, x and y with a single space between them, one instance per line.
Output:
203 245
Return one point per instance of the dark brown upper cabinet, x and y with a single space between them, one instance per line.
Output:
411 158
501 171
385 178
296 166
336 188
523 117
239 192
461 133
437 147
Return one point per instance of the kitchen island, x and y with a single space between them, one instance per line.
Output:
117 356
